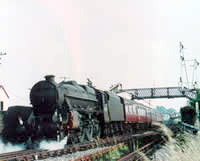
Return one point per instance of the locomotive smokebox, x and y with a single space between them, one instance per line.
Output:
50 78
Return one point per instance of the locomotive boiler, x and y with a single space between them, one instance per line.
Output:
80 112
64 108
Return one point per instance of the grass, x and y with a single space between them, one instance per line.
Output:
114 154
185 147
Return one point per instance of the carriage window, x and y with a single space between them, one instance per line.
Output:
149 112
142 112
139 110
130 109
126 108
133 109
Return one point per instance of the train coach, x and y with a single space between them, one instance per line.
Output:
80 112
140 114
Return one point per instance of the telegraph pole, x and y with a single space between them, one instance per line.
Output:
183 65
191 63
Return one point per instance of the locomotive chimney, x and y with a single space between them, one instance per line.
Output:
50 78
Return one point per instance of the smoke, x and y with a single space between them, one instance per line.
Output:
48 145
53 145
5 148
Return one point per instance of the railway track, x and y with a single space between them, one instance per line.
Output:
109 143
141 152
136 150
20 155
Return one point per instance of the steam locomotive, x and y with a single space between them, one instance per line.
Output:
80 112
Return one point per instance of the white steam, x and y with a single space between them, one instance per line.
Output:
5 148
53 145
48 145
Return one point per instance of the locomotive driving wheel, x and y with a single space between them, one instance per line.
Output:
97 131
89 132
89 129
86 133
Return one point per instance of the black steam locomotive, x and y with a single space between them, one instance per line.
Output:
80 112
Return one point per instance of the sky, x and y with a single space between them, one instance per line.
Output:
134 42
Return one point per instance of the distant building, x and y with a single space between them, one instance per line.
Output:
3 99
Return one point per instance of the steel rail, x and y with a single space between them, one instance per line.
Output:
132 155
43 154
102 153
89 157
